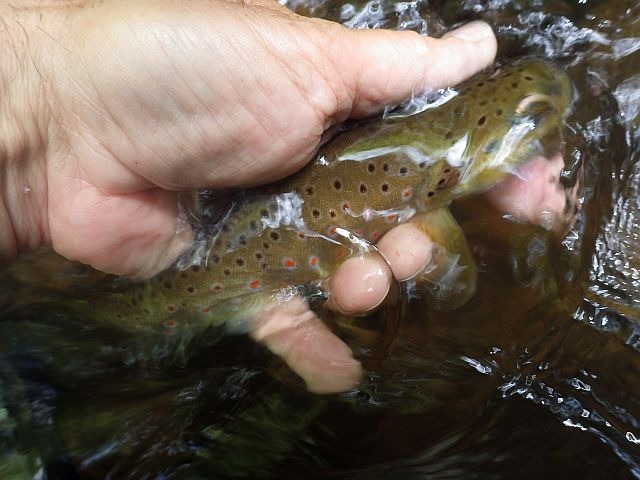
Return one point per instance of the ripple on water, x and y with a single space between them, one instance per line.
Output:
537 377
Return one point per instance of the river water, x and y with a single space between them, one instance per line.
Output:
537 377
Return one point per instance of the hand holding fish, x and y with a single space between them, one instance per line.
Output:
113 136
123 105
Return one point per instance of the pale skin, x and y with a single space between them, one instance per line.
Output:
111 108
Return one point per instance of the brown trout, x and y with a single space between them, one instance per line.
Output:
363 182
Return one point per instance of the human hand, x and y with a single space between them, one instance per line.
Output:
140 100
126 104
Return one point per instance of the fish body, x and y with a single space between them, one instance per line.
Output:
361 184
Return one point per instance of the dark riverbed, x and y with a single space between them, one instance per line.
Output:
537 377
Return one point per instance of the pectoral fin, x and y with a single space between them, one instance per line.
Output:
452 277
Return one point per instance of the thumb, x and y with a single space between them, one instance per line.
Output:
387 66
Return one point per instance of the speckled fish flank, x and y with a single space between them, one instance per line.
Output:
365 181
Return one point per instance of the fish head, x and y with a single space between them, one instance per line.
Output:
513 115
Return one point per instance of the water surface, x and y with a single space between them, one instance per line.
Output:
537 377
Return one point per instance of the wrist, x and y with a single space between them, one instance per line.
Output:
24 127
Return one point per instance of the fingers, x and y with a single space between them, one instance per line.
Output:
391 66
535 195
294 333
408 251
362 283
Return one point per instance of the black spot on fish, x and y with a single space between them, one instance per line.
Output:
430 194
226 271
242 240
315 213
240 262
310 190
528 78
447 170
482 103
253 225
275 236
191 290
167 284
371 168
337 184
147 311
332 213
480 84
515 84
226 227
422 164
363 189
403 170
441 181
384 187
498 112
482 120
264 213
259 255
265 245
215 258
385 167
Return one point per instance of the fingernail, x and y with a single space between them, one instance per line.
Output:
360 285
408 251
473 31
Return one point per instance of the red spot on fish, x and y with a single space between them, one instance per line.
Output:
206 309
333 232
171 308
375 235
392 217
216 287
313 261
301 234
288 262
407 193
170 323
345 206
254 284
358 232
339 253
